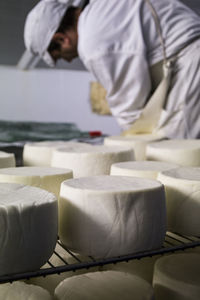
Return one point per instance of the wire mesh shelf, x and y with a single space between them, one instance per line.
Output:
173 242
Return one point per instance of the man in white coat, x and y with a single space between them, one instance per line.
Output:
124 45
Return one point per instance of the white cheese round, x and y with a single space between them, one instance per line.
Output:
177 277
106 216
182 152
22 291
50 282
182 186
40 153
7 160
143 169
28 225
137 142
91 160
46 178
142 268
107 285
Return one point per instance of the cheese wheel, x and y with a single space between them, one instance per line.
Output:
143 268
40 153
7 160
50 282
143 169
47 178
177 277
28 224
137 142
22 291
91 160
182 186
106 216
107 285
185 153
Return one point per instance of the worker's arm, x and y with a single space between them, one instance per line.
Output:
127 82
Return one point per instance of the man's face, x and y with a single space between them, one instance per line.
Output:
64 46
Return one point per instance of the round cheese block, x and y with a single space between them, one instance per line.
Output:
182 152
182 186
137 142
91 160
142 268
144 169
28 224
177 277
40 153
47 178
107 216
7 160
21 291
108 285
50 282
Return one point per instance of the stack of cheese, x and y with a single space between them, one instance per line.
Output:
90 160
29 225
7 160
108 285
22 291
106 216
182 152
40 153
177 277
47 178
143 169
182 187
137 142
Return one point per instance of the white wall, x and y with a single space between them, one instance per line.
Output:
52 96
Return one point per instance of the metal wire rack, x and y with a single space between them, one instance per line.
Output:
173 242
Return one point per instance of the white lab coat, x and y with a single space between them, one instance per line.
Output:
118 42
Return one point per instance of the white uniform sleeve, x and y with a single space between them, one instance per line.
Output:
127 82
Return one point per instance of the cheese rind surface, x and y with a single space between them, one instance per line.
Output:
7 160
185 153
177 277
28 224
47 178
106 216
108 285
182 186
91 160
143 169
